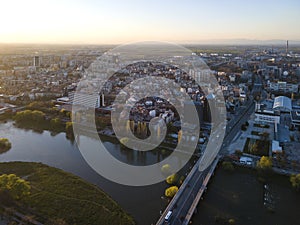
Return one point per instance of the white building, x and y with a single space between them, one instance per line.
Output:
232 77
275 147
282 86
83 99
283 104
267 116
264 113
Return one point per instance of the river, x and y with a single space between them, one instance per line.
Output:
237 195
240 196
143 203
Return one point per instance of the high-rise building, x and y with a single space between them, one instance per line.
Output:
36 61
287 47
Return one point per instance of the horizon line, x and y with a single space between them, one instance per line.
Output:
239 41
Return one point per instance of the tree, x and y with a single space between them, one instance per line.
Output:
295 181
179 136
158 131
171 191
166 169
124 140
132 124
29 116
128 125
227 166
144 129
16 186
138 128
172 179
231 221
5 145
63 112
264 163
55 123
243 127
238 152
254 148
69 130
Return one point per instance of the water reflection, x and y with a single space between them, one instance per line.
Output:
143 203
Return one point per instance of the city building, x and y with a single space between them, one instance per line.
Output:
36 61
282 86
295 115
265 113
283 104
83 99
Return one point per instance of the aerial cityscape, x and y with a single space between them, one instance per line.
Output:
139 112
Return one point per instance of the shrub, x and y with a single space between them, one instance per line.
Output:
172 179
69 130
231 221
243 127
239 153
264 163
295 181
16 186
29 116
171 191
228 166
5 145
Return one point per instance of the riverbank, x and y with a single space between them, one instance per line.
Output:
56 194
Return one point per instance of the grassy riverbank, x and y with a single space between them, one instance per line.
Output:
56 194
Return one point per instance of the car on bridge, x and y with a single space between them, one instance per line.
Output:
168 216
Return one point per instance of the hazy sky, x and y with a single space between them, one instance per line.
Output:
121 21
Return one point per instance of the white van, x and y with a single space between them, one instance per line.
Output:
168 216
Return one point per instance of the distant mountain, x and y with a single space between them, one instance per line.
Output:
244 42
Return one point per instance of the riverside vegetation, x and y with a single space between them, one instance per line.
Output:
50 195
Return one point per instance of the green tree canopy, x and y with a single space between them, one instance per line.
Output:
55 122
16 186
5 145
40 105
34 116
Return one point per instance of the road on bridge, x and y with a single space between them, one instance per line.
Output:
181 203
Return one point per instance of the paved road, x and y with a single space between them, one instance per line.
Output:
183 200
233 128
184 197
